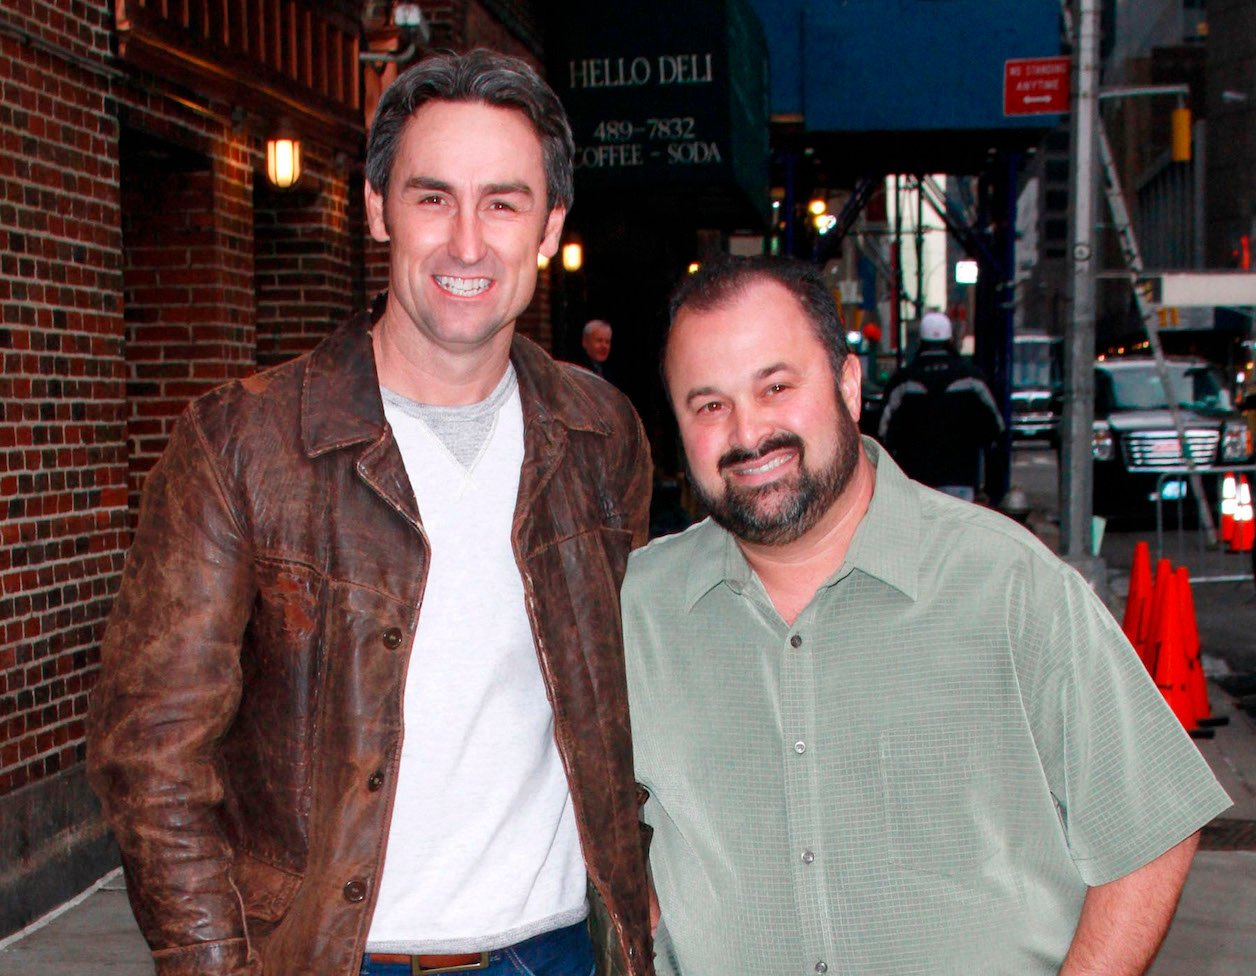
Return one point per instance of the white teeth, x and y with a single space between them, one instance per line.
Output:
463 287
767 466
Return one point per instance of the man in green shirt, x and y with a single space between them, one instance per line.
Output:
883 731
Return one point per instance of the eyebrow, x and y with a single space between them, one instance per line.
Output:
763 374
492 189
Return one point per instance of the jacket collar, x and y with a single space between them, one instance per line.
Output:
341 405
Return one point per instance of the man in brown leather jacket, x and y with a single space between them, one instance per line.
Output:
361 706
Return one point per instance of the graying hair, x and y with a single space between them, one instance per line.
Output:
484 76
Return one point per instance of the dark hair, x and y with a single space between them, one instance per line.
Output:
722 278
477 76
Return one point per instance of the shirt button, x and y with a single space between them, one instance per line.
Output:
392 638
800 747
822 966
795 641
807 857
375 781
355 891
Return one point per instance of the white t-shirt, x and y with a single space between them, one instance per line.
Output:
483 850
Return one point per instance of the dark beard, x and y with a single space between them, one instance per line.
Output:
756 515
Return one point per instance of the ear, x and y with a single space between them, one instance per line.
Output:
375 214
553 231
850 384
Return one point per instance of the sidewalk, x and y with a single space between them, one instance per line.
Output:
1214 933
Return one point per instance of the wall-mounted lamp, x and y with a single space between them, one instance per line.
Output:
1180 135
573 257
413 31
283 161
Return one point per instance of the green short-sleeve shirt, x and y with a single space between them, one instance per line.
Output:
921 776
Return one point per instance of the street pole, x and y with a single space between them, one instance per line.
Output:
1076 460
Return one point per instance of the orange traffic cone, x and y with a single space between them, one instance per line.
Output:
1140 593
1153 611
1190 630
1244 526
1229 502
1171 674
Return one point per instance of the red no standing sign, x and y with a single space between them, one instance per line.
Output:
1036 86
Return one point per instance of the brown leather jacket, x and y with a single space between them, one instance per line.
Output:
245 732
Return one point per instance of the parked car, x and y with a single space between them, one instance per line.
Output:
1135 441
1037 388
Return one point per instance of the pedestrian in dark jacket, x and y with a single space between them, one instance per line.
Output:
939 414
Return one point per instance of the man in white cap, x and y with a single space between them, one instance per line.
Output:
939 414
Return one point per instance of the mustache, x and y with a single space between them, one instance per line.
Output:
773 442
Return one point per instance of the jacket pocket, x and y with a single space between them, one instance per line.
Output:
266 891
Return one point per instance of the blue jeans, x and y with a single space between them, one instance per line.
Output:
563 952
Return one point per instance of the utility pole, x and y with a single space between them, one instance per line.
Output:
1076 460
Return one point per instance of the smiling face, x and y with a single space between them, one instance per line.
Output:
769 435
466 217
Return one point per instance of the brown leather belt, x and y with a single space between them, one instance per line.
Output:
464 962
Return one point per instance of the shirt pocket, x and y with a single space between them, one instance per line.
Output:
938 788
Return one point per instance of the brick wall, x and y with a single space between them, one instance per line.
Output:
308 249
62 457
186 325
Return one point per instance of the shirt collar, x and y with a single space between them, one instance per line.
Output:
885 545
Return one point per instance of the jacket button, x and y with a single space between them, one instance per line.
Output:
375 781
392 638
355 891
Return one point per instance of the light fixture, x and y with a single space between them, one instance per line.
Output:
693 267
573 256
817 206
966 272
542 262
283 161
413 31
409 16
